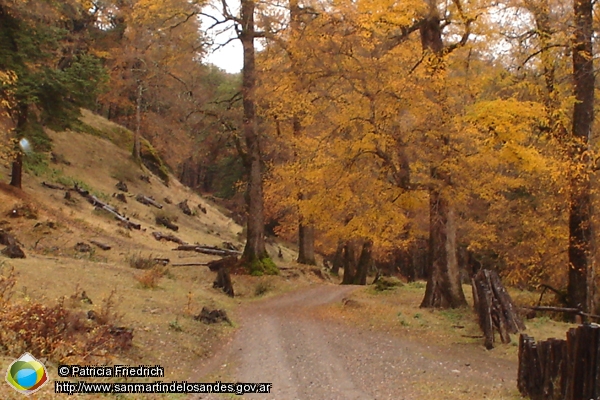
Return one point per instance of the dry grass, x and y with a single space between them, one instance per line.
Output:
397 312
139 261
52 269
150 278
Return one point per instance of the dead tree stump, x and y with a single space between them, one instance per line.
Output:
212 317
183 206
227 262
166 222
122 186
223 281
13 251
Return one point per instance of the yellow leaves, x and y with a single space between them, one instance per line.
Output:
388 15
506 120
8 80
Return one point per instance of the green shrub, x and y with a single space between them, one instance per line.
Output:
263 266
138 261
387 283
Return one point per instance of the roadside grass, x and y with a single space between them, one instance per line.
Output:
397 312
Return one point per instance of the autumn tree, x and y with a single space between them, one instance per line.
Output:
580 226
255 255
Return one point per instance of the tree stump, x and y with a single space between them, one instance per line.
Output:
83 247
166 222
223 281
121 197
122 186
7 239
212 317
13 251
184 207
226 262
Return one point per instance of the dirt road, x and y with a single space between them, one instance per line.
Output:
281 342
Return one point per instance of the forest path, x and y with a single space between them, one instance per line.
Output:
281 341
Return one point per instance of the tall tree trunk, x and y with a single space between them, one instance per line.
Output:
349 260
255 250
17 165
306 232
136 151
580 228
17 170
444 288
338 259
364 263
306 244
306 241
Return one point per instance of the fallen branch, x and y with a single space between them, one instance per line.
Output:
171 238
167 223
96 202
53 186
561 296
190 265
149 201
207 250
101 245
567 310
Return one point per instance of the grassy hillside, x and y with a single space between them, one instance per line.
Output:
158 304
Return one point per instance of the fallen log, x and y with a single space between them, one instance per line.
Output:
101 245
149 201
53 186
226 262
207 250
164 221
96 202
567 310
190 265
171 238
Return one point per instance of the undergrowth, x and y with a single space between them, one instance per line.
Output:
150 278
57 332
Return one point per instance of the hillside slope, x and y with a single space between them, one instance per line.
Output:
49 227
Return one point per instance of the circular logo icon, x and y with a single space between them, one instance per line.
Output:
26 374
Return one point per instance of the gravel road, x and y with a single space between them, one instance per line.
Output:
281 342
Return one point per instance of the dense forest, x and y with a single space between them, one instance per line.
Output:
433 137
